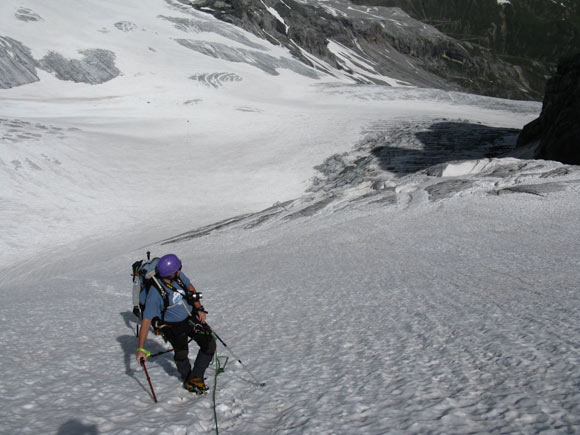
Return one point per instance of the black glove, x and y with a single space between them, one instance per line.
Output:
199 328
201 308
137 312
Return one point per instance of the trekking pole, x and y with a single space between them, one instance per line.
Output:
149 380
261 384
161 353
166 351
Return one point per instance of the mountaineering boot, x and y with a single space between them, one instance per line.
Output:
195 385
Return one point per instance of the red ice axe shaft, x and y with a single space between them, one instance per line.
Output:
149 380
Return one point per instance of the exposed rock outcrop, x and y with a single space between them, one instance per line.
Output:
555 135
379 41
541 30
529 34
17 66
97 66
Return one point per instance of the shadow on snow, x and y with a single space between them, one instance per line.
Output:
443 142
75 427
128 344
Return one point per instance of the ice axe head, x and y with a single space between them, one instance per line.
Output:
150 274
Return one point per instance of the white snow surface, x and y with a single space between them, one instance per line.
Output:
441 300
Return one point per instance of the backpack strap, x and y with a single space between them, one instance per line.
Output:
165 295
184 292
181 284
162 292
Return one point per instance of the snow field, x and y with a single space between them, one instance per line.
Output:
371 322
443 302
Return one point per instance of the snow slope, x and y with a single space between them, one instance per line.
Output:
450 316
410 283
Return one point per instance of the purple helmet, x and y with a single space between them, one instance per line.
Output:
168 265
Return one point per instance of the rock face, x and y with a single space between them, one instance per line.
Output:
528 34
542 30
555 135
96 67
17 66
381 38
308 30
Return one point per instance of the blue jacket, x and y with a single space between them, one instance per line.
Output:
176 312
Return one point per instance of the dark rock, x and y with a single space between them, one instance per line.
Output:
555 134
383 41
527 34
525 29
259 59
17 66
97 66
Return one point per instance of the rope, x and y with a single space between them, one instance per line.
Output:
219 369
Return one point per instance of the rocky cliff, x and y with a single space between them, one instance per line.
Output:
529 34
379 41
555 135
540 30
462 45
